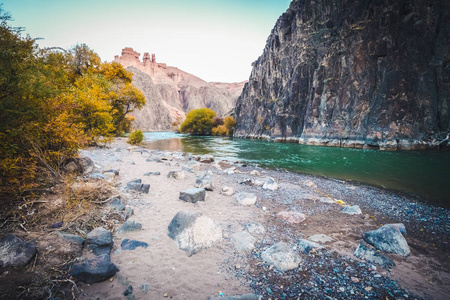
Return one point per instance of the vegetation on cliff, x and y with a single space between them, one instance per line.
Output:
52 102
203 121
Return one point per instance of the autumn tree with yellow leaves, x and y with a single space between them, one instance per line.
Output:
53 102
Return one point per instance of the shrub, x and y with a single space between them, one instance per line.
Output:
199 122
136 137
229 123
219 130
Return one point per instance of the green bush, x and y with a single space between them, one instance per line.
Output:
199 122
136 137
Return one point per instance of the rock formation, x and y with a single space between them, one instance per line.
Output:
171 92
352 73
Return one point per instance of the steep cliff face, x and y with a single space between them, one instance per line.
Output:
372 73
171 92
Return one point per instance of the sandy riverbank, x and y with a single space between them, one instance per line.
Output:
170 272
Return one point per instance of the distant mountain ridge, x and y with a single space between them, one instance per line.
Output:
171 92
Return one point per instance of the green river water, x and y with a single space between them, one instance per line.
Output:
423 173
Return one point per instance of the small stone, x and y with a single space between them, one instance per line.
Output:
310 183
352 210
354 279
177 174
293 217
270 184
129 226
207 158
255 228
117 204
327 200
128 291
320 238
152 173
204 181
255 173
246 198
193 195
132 244
145 287
243 241
99 241
227 191
165 295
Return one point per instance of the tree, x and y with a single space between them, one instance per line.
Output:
198 122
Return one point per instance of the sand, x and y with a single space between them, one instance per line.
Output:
171 274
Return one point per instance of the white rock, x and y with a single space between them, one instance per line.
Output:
352 210
255 173
281 256
227 191
246 198
270 184
320 238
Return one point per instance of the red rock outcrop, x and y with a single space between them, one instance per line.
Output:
173 92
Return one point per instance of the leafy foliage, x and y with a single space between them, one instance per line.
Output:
203 121
198 122
51 104
136 137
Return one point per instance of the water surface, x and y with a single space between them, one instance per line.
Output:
424 173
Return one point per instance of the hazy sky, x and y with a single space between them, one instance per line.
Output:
216 40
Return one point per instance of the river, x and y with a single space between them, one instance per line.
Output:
423 173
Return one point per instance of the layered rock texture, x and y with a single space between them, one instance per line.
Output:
354 73
171 92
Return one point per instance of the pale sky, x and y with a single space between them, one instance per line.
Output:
216 40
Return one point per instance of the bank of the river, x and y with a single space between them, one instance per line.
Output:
163 271
334 272
422 173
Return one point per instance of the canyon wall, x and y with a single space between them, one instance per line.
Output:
171 92
359 73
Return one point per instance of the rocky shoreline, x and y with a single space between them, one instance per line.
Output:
388 145
188 227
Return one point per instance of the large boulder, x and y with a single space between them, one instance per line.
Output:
15 252
246 198
388 238
204 181
94 270
193 195
193 232
281 256
371 255
100 241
